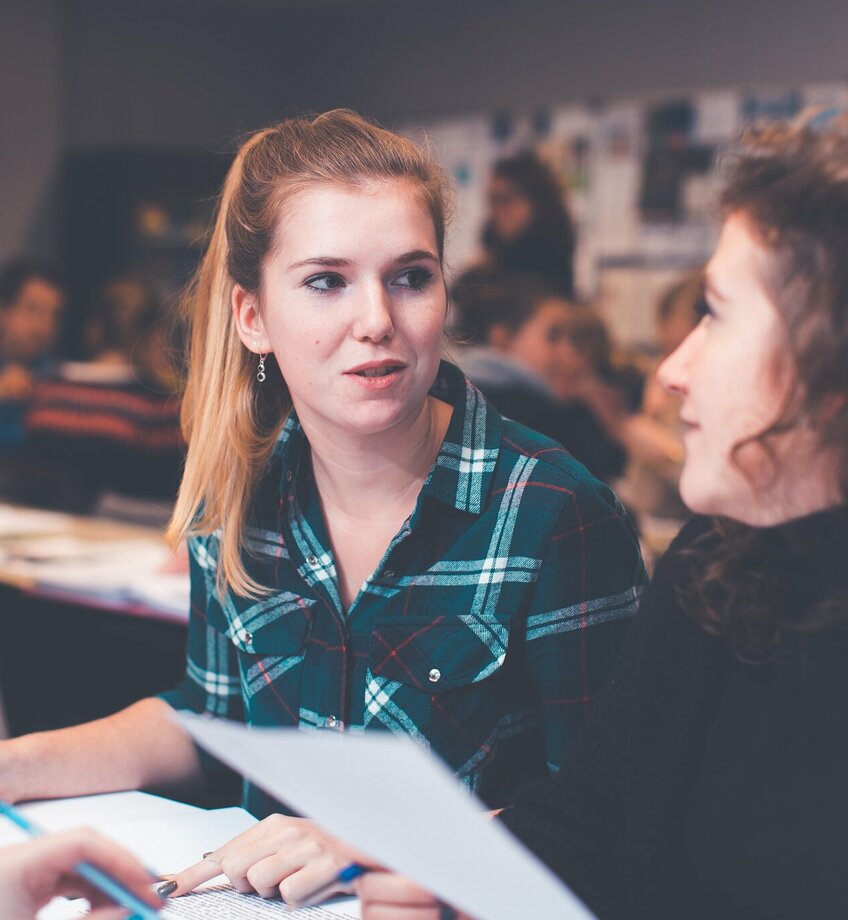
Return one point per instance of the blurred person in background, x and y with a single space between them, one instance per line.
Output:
521 355
118 335
111 425
31 302
528 228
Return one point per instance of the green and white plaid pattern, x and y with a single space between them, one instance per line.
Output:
494 618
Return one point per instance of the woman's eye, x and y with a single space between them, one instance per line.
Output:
328 281
414 278
703 308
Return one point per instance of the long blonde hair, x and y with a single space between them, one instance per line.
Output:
230 422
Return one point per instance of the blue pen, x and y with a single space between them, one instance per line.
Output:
345 877
96 877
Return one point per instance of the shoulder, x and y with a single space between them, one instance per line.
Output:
203 553
576 522
557 478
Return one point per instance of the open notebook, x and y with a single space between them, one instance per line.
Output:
167 837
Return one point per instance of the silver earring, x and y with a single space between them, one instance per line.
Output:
260 373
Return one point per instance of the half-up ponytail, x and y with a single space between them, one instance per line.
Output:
230 423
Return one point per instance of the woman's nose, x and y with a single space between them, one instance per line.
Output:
673 372
374 314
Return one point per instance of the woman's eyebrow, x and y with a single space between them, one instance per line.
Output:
327 261
416 255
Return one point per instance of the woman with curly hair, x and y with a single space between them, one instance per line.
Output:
711 780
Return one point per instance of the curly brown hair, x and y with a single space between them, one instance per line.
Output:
790 180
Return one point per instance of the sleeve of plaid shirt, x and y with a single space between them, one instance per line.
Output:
211 683
588 589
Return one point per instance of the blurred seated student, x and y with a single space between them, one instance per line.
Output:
711 779
110 424
596 374
528 229
655 433
521 358
345 498
31 301
35 872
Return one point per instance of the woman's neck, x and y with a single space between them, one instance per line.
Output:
373 476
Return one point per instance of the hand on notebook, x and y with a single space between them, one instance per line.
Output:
386 896
33 873
280 856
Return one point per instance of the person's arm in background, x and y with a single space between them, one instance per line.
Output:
651 435
33 873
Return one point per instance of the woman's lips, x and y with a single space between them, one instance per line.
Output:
378 375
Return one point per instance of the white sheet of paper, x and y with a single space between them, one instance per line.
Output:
173 843
389 798
100 811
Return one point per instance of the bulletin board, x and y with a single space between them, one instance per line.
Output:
639 177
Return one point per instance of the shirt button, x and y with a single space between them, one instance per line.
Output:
434 676
332 722
248 638
388 573
312 560
289 475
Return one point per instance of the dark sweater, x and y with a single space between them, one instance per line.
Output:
705 787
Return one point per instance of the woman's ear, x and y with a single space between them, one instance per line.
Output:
248 320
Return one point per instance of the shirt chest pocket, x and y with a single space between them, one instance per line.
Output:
445 680
439 655
277 625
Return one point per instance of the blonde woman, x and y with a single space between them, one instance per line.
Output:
372 546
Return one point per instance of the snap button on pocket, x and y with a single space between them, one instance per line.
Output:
435 675
312 560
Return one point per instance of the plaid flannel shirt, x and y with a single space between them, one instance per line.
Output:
494 617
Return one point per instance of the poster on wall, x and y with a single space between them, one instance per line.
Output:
638 176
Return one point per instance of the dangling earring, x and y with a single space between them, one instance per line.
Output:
260 373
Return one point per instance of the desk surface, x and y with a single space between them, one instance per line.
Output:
100 563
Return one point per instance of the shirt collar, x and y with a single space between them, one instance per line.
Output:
464 467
